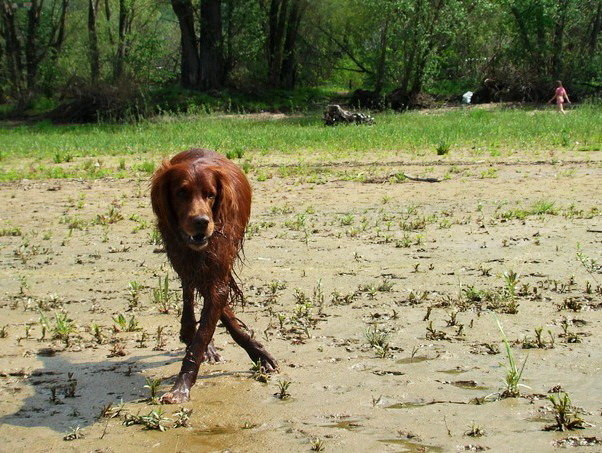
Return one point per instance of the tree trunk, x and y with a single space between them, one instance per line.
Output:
276 35
211 40
13 49
288 69
57 43
596 27
557 42
57 39
108 19
228 45
93 42
190 63
125 15
32 50
382 57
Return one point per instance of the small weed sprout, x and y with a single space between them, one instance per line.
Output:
475 431
111 411
53 397
590 264
442 148
142 340
117 350
113 214
453 319
565 414
63 327
379 341
538 342
281 319
385 286
283 393
259 372
153 421
513 374
96 331
182 418
23 284
276 286
75 433
121 322
44 324
511 279
152 384
318 297
126 325
542 207
433 334
155 237
71 386
317 445
162 296
134 289
346 220
160 345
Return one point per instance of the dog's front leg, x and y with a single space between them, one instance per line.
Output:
213 306
188 321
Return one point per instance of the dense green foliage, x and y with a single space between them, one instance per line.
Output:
59 49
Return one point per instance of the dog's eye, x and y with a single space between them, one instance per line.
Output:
181 193
211 196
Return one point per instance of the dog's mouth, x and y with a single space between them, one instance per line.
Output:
198 241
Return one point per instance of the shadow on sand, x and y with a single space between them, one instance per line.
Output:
51 401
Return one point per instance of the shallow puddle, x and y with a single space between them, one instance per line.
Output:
411 447
408 405
453 371
350 425
470 385
416 359
215 430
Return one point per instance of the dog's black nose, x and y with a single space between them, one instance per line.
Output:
200 223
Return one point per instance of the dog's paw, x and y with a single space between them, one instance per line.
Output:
269 363
211 355
175 397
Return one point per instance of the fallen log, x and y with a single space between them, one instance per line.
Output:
334 115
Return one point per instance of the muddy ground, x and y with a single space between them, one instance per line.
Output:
423 271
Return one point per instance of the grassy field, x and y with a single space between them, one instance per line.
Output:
45 150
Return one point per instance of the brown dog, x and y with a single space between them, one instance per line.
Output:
202 202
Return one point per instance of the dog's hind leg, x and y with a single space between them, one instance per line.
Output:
253 347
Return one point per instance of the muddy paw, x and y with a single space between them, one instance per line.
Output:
211 355
268 362
175 397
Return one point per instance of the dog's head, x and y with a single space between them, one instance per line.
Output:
192 199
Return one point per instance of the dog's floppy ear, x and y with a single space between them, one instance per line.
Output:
226 206
161 196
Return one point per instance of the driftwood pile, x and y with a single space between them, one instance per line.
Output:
334 115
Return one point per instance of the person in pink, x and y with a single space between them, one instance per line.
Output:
560 95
